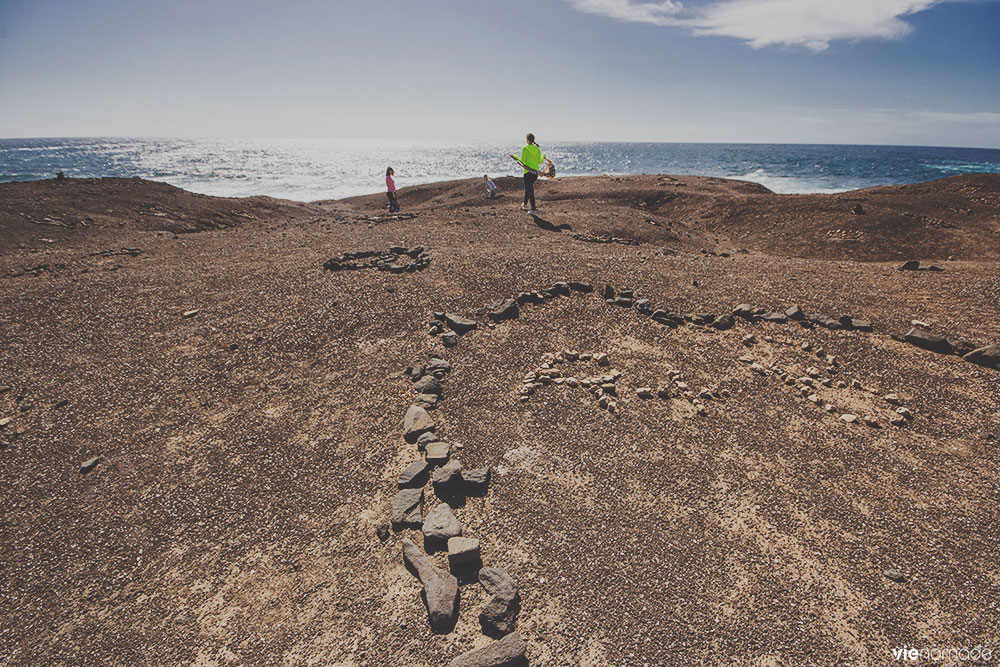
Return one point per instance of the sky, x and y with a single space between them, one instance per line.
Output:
918 72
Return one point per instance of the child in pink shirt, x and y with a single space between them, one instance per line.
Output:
390 191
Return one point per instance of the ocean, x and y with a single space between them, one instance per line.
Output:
313 169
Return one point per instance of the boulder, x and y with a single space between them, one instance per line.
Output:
928 341
416 422
988 356
440 588
413 476
459 324
505 310
407 507
507 652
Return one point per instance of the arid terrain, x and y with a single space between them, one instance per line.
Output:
786 493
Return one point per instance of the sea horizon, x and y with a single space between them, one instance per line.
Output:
311 169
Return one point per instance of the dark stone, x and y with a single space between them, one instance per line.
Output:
438 366
644 306
608 292
668 318
459 324
744 310
382 531
506 310
706 318
962 347
585 288
988 356
407 508
449 339
440 588
827 322
495 580
413 475
861 325
626 294
440 524
89 465
897 337
934 267
428 384
895 575
561 288
795 313
507 652
724 322
416 422
416 371
777 318
476 481
426 439
499 615
426 401
623 302
398 249
529 297
928 341
846 322
910 265
448 476
858 209
415 252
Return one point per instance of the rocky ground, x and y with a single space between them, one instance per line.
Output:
202 408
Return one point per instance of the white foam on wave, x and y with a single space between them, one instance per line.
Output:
791 185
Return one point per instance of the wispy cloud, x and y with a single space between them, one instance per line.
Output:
807 23
989 117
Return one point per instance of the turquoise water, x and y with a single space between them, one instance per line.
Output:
307 169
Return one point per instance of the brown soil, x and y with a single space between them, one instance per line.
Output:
249 451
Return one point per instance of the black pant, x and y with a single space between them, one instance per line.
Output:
393 206
529 188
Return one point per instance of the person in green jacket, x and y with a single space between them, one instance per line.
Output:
532 158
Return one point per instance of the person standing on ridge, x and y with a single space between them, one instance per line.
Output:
531 158
390 191
491 187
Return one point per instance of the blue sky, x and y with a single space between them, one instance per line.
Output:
815 71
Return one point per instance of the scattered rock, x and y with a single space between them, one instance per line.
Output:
407 508
988 356
895 575
858 209
910 265
498 616
413 476
602 359
795 313
581 287
416 422
89 464
507 652
724 322
449 339
440 588
622 301
644 392
427 401
415 372
608 292
426 439
382 532
190 313
495 580
438 367
777 318
849 418
744 310
928 341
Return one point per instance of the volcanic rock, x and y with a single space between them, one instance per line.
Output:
428 384
407 508
476 481
460 324
416 422
437 452
988 356
498 616
505 310
449 475
507 652
413 475
795 313
928 341
440 524
462 551
440 588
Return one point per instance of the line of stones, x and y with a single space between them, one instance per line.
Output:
442 530
381 260
988 356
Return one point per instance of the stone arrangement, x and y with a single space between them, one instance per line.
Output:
442 530
920 336
397 259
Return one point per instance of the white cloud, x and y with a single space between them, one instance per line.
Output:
952 117
657 13
809 23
